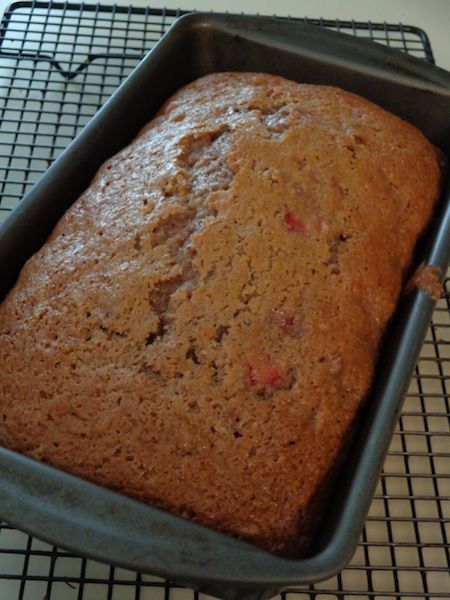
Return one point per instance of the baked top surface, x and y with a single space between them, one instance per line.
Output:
201 327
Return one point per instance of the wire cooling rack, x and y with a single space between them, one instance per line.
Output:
58 64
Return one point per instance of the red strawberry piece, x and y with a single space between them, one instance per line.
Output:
294 223
262 372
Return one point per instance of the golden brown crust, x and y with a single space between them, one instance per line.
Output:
201 327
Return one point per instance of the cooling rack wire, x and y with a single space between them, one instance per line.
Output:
58 65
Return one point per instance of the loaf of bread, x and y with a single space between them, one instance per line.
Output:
201 328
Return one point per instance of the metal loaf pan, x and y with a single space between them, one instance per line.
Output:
107 526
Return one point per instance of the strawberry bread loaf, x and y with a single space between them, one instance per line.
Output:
201 328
